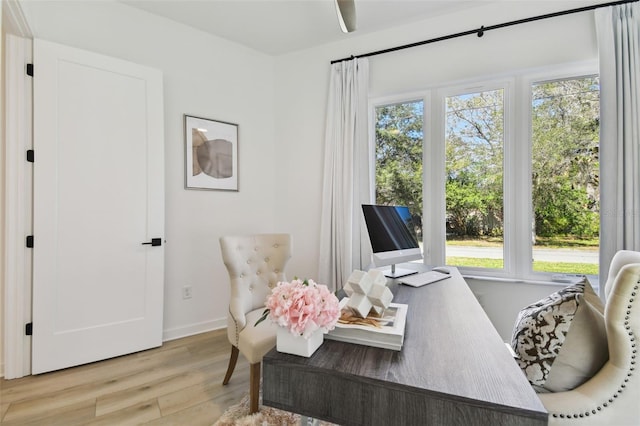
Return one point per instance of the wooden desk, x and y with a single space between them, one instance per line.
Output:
454 369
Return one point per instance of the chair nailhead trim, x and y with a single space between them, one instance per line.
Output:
632 339
235 323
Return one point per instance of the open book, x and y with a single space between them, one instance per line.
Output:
382 331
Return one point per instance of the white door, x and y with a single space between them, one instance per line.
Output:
98 196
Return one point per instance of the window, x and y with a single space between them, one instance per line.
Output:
508 169
474 147
399 135
564 179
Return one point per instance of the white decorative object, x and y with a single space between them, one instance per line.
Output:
367 291
296 344
377 277
360 281
380 297
347 289
361 304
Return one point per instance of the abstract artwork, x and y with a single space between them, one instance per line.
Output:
211 153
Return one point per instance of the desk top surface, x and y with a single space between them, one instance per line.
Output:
450 349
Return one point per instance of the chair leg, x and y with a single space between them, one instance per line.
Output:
254 387
232 364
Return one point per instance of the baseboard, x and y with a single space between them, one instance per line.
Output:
191 329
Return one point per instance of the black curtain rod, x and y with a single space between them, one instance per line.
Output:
480 31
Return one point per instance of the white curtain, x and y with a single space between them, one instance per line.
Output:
346 183
618 29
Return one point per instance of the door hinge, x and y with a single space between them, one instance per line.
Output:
28 329
30 70
30 241
30 155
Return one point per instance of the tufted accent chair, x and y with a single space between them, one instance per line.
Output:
612 396
255 264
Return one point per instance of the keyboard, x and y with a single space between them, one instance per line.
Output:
423 278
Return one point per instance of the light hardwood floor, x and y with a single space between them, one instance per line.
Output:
179 383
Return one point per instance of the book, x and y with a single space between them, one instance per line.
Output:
382 331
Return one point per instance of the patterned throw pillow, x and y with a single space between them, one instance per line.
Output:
560 342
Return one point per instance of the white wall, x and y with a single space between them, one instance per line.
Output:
302 84
203 76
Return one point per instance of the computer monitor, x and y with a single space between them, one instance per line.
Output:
392 235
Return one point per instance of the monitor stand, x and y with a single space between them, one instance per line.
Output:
397 273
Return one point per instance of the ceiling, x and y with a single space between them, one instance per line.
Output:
276 27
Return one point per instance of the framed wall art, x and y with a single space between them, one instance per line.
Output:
211 153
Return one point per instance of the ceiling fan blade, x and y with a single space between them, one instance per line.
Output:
346 15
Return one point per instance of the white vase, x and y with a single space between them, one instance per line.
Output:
297 345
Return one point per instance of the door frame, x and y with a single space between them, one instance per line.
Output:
17 193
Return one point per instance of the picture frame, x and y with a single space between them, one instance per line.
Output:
211 154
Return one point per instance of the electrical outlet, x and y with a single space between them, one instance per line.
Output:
186 292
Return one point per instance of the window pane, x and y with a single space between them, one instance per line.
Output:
565 177
399 134
474 179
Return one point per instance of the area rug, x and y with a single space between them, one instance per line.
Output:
238 415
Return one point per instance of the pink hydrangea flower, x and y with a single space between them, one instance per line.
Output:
303 307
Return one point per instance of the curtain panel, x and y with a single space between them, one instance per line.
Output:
347 182
618 29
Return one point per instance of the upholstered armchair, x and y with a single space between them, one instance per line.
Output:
255 264
612 396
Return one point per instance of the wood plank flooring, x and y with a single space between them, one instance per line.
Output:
179 383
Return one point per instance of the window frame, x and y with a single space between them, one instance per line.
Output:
517 246
507 85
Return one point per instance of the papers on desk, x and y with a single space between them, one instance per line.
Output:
386 331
